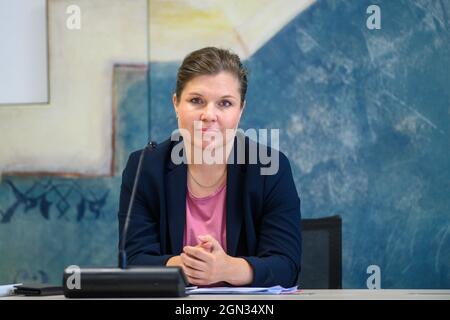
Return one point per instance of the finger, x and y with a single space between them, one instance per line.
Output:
208 238
199 254
215 245
206 245
192 280
197 282
192 263
194 273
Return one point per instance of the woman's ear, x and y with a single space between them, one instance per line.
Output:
175 103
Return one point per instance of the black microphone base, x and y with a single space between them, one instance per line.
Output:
135 282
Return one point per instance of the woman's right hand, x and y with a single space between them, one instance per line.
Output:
176 261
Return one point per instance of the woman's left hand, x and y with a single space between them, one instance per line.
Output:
206 263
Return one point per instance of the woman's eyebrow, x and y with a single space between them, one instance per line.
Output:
222 97
195 94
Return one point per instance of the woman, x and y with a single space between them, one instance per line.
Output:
221 221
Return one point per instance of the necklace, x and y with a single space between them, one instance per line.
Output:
205 186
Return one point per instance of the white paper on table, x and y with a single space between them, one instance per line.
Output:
8 290
241 290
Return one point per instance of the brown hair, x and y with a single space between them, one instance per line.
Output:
210 61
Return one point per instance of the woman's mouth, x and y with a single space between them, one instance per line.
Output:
208 129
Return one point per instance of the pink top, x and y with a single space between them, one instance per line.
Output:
206 215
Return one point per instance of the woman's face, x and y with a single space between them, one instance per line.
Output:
209 104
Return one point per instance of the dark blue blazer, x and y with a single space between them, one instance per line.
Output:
262 222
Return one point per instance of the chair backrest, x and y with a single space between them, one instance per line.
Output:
321 253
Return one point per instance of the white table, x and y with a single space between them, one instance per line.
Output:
340 294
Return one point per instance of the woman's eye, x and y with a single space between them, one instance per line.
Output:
225 103
196 100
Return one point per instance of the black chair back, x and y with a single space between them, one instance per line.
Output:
321 253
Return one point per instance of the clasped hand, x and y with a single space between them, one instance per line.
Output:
206 263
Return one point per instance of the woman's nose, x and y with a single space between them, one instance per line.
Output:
209 113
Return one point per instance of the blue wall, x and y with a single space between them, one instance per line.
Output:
364 119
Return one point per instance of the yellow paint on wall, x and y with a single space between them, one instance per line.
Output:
73 133
177 27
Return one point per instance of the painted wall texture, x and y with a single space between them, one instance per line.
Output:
363 117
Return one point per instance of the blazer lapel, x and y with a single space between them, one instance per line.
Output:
176 188
234 207
234 203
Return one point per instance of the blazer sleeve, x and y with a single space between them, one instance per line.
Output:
279 248
143 238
